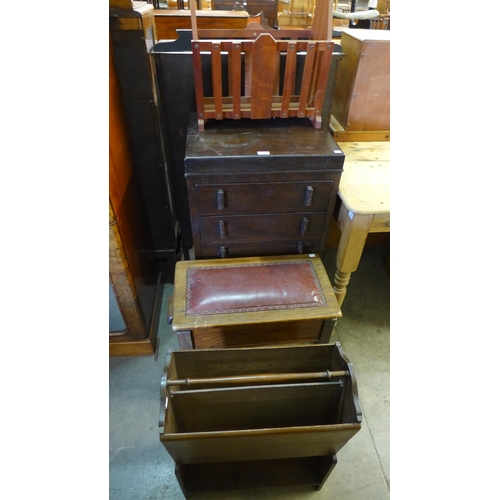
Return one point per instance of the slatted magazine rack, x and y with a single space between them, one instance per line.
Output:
260 78
261 61
257 417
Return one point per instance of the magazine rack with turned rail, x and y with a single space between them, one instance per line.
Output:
260 417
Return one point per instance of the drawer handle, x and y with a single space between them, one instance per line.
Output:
220 199
300 247
303 226
222 252
308 196
221 226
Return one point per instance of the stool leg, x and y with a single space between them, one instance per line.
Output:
327 330
185 339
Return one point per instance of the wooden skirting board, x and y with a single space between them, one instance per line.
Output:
341 135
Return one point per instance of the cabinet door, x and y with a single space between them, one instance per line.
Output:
237 198
262 227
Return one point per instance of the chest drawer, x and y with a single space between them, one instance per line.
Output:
262 197
261 227
257 249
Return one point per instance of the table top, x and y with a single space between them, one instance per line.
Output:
365 182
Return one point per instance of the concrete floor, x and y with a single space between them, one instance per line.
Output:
141 469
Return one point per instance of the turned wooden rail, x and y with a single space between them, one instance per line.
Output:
266 378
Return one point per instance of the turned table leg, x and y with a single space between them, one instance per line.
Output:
354 231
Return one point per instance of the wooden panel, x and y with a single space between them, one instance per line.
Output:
257 444
257 407
169 21
133 270
265 334
361 100
310 471
344 85
263 76
370 109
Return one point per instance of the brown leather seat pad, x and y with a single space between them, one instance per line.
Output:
253 287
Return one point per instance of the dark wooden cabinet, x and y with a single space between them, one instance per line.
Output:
261 187
132 35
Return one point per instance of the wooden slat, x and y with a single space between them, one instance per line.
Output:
322 71
235 79
198 78
263 73
289 79
217 79
306 78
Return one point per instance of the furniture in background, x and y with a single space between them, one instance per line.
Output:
135 287
363 205
135 292
169 21
269 8
271 416
132 35
253 301
261 187
382 22
361 98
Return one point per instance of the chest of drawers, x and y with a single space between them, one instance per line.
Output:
261 187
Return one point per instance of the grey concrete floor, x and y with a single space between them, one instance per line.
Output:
141 469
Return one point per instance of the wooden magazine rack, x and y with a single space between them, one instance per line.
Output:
258 76
260 417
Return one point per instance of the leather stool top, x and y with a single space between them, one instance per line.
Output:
251 290
252 287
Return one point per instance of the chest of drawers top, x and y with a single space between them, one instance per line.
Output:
252 146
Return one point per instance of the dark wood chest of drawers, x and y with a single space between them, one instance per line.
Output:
261 187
